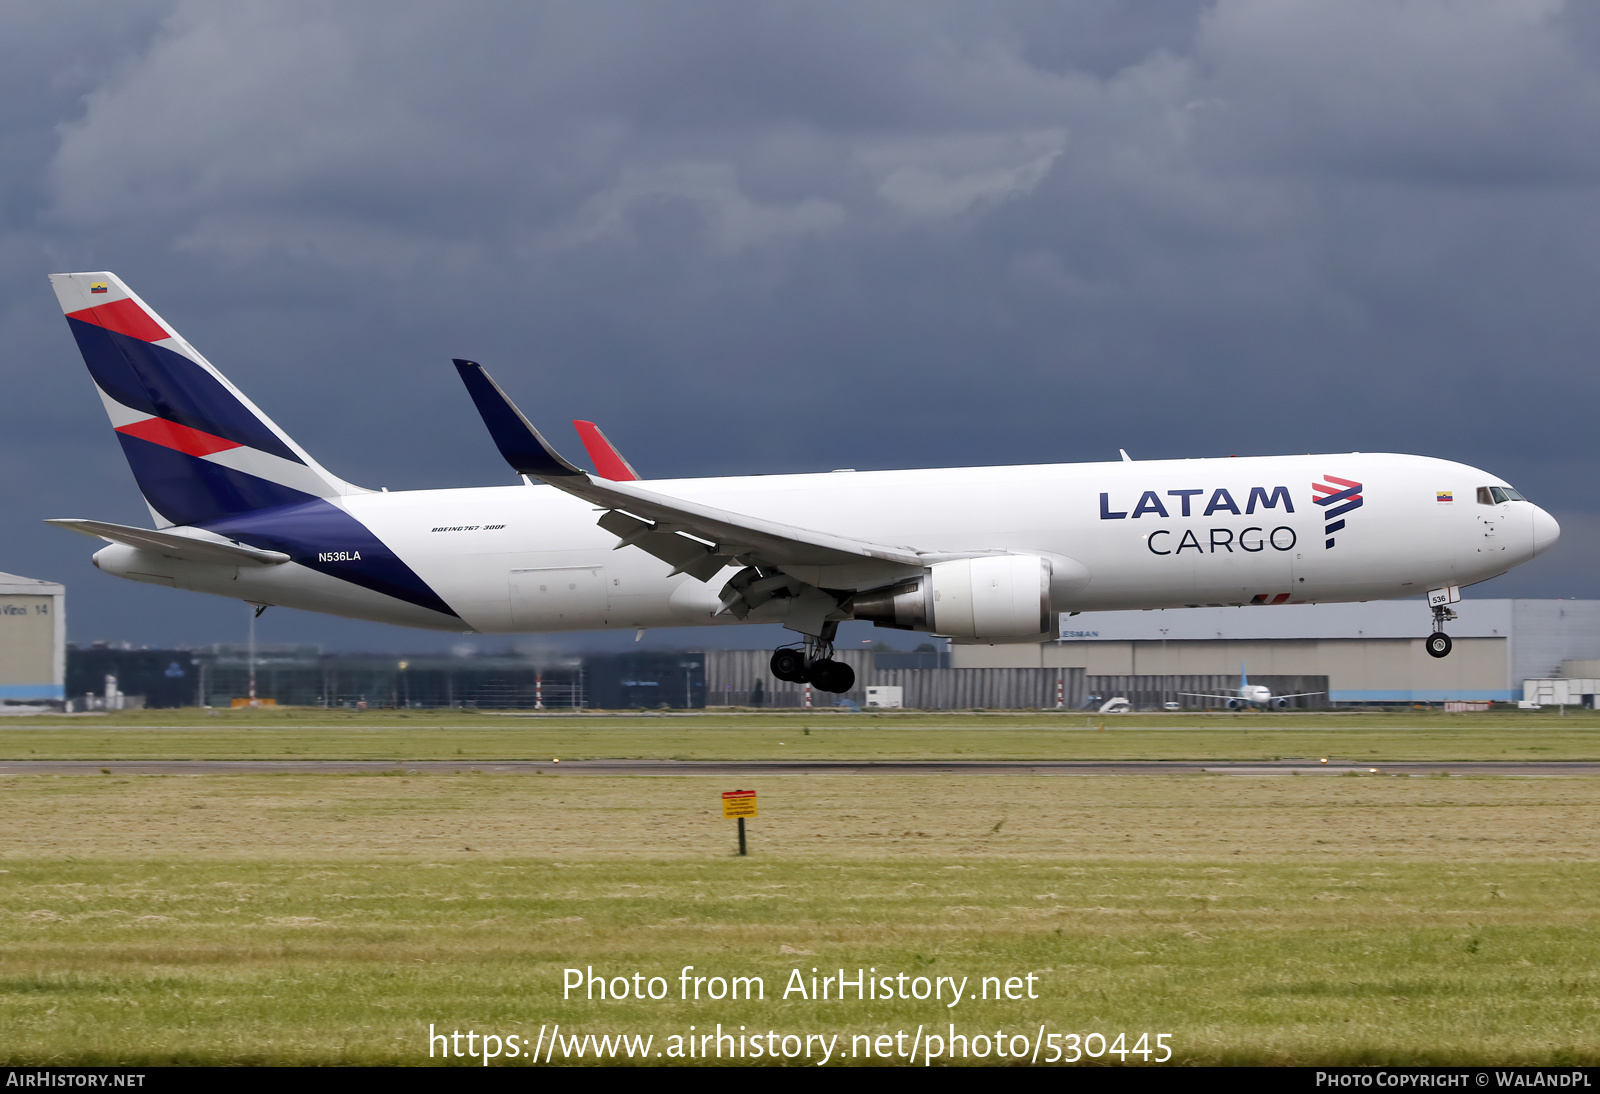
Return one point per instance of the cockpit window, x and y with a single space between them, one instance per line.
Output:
1494 495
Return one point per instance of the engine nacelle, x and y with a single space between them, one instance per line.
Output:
992 596
1235 704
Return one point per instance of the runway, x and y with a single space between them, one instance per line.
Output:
751 768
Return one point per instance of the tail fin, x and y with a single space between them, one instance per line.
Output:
1244 677
198 448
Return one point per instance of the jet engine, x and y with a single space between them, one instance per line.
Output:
991 596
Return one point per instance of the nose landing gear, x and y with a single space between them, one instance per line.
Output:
1439 644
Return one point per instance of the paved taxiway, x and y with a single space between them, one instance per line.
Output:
727 768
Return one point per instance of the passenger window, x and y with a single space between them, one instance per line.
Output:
1483 496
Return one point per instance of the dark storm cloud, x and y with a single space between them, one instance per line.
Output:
796 236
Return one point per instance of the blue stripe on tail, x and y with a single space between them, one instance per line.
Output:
188 490
158 381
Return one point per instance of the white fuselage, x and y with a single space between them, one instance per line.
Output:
1156 534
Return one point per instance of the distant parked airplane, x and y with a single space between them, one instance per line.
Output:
1252 695
975 554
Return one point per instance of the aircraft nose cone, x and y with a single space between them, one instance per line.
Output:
1545 531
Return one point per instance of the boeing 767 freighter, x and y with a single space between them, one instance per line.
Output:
975 554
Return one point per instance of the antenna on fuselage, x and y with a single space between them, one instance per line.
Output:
1125 457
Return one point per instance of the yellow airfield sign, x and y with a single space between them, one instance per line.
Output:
738 804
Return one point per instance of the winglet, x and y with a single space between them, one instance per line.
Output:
524 449
608 462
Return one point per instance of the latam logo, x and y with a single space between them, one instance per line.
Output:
1150 503
1343 495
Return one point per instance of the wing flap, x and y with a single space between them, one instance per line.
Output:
684 555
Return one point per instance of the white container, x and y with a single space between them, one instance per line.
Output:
886 697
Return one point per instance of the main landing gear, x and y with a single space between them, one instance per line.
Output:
813 665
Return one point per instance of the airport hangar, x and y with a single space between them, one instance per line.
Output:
1370 652
33 638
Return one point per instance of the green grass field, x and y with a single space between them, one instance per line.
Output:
332 918
419 735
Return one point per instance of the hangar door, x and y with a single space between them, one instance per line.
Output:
559 598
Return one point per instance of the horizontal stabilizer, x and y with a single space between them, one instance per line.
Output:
176 544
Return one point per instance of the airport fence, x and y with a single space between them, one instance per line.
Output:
742 678
1152 692
986 689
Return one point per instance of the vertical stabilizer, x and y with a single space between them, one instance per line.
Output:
199 449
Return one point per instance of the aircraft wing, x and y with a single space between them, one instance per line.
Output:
1200 695
1298 694
663 525
175 544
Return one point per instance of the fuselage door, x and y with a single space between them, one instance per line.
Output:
558 598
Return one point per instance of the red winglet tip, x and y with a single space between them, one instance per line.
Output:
608 462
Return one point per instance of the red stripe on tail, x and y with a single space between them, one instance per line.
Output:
191 442
124 317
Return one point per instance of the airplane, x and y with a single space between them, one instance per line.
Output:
974 554
1252 695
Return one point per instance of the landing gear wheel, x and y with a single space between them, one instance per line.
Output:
834 676
790 665
1439 644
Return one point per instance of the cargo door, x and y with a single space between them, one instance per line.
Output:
559 598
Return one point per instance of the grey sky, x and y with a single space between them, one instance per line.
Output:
774 237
